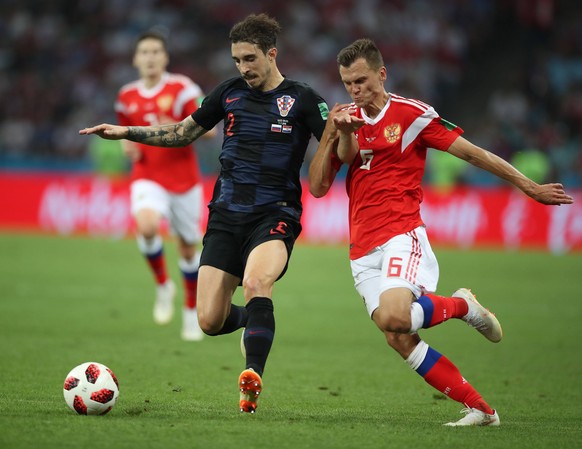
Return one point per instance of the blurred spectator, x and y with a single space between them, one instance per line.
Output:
62 61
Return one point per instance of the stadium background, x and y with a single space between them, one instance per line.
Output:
508 72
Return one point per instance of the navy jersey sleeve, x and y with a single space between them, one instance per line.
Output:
316 111
211 111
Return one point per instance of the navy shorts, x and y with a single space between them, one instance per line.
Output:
231 236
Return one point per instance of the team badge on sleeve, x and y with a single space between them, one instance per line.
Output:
285 103
323 110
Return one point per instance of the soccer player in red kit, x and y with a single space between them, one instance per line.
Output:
165 184
384 138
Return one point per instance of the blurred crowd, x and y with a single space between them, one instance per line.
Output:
63 62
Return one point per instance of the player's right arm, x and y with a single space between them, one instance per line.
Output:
172 135
347 124
325 163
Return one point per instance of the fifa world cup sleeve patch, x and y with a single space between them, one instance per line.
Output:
450 126
323 110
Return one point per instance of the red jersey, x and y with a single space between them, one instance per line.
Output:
170 101
384 180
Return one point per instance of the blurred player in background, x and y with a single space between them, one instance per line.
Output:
256 208
165 184
384 138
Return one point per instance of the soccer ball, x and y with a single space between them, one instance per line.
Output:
91 389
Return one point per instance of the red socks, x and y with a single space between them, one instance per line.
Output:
441 308
157 263
440 373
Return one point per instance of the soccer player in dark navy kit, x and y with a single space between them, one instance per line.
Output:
256 207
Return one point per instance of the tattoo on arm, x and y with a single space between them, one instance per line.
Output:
174 135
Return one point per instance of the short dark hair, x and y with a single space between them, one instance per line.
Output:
153 34
260 30
361 48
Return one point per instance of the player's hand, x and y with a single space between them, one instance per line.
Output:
332 114
106 131
345 121
551 194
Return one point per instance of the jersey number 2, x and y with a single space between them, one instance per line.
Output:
230 118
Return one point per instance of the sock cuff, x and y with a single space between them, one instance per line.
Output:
189 266
150 247
260 303
417 355
416 317
428 309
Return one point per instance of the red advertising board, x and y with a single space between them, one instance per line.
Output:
463 217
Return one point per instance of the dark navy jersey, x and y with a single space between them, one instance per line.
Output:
266 135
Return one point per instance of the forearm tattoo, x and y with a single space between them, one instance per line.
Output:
175 135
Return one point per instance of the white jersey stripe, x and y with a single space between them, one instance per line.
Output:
419 104
190 92
416 127
414 261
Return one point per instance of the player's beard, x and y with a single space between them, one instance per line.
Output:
256 81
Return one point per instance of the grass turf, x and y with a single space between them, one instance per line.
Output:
330 382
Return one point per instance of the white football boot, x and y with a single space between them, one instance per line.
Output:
479 317
190 328
164 305
474 417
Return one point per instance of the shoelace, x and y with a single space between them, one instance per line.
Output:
467 410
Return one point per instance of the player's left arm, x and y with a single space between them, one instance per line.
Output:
550 194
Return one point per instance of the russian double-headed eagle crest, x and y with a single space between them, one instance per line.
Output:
392 132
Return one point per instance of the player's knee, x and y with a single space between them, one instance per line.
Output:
208 325
395 340
391 322
254 286
403 344
148 232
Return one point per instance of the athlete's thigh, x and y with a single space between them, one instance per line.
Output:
366 272
409 262
214 294
185 214
221 250
269 244
404 262
264 266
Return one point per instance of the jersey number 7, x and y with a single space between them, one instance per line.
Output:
367 156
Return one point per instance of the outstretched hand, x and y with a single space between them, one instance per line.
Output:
106 131
345 121
551 194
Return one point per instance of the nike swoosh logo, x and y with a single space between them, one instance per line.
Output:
256 332
230 100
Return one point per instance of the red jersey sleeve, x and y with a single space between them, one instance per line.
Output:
440 134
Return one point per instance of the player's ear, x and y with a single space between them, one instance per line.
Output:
383 73
272 54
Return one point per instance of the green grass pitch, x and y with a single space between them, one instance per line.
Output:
330 382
